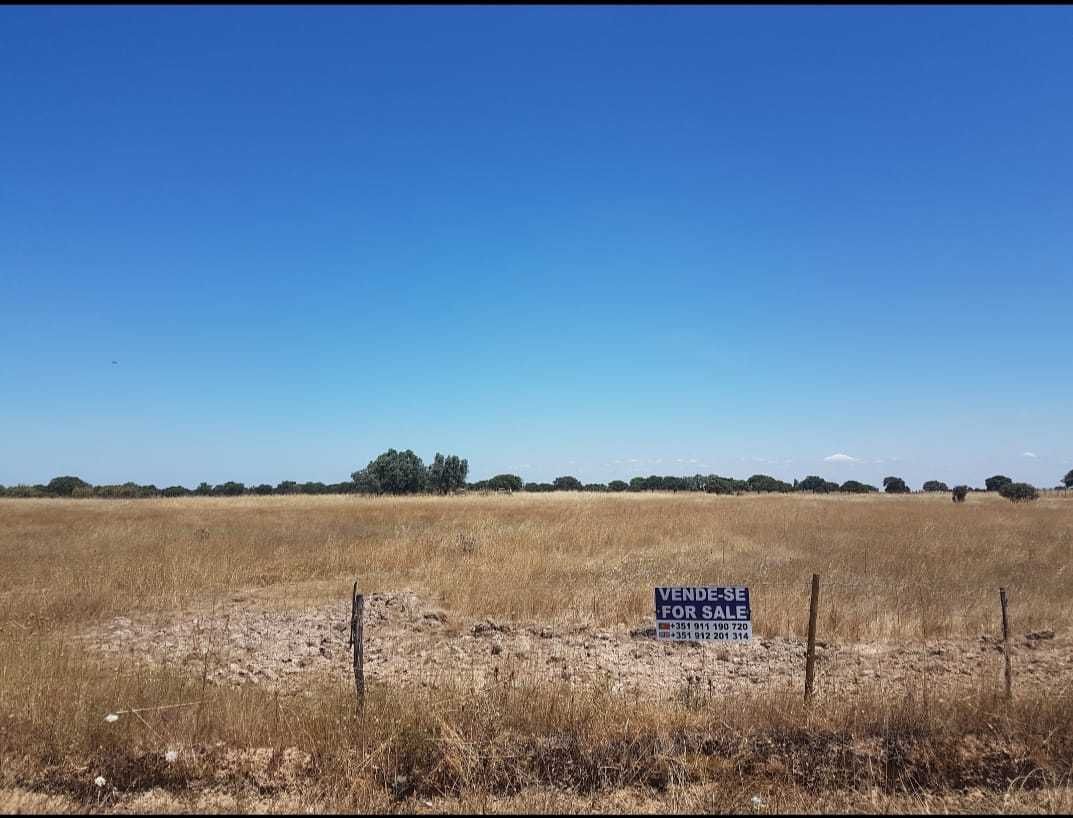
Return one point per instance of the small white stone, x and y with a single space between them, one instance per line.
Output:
111 717
99 781
171 755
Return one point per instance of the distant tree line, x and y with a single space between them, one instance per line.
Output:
397 473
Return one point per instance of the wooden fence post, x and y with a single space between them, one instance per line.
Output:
1006 642
810 656
357 639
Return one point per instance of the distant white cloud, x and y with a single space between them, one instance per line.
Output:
839 457
1031 455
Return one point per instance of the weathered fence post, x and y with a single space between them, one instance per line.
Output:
810 656
1006 642
357 640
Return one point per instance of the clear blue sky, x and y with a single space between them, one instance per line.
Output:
599 241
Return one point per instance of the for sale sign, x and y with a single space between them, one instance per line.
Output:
704 614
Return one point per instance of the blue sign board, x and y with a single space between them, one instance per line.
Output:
704 613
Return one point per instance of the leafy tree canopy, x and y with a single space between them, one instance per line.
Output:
394 472
813 483
996 482
567 483
65 486
856 487
764 482
1018 492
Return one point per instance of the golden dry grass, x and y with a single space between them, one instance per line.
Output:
892 567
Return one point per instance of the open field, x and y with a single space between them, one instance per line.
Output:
509 664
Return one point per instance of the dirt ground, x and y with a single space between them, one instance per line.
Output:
411 641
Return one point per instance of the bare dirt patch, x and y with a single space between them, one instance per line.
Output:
411 640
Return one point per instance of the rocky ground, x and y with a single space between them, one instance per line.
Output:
411 641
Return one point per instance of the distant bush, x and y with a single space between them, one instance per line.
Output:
65 486
566 483
895 485
936 485
813 483
618 485
766 483
539 487
854 487
714 484
959 493
229 489
1067 481
997 482
176 491
506 482
1019 492
24 491
594 487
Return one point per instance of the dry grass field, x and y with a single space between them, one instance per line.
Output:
110 606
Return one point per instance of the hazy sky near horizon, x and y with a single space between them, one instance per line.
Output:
594 241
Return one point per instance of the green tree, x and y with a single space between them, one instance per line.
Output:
936 485
1018 492
65 486
229 489
856 487
812 483
395 472
176 491
765 483
675 484
203 490
447 474
714 484
996 482
506 482
959 494
567 483
618 485
455 472
1067 481
895 485
365 482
